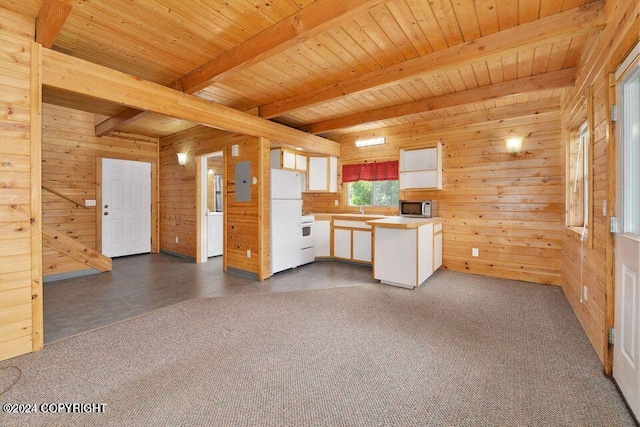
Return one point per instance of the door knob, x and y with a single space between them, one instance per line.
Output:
106 213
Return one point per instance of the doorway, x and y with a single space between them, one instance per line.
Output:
126 207
210 206
626 350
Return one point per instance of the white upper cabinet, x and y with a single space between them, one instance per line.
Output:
301 162
287 159
421 168
323 174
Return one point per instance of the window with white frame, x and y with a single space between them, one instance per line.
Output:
578 178
372 193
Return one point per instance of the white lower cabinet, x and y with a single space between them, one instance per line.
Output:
341 243
361 245
352 240
437 250
322 238
406 257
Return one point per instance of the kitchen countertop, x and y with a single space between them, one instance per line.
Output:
347 216
403 222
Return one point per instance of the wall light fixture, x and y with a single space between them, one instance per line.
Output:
514 144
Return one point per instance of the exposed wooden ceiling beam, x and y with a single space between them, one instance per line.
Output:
533 111
573 22
51 17
75 75
552 80
479 118
305 24
122 118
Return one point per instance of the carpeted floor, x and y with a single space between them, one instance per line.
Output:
460 350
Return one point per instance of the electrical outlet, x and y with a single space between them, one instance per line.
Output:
475 252
604 208
585 293
177 239
335 202
89 202
248 253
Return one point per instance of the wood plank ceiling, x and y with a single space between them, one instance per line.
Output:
327 66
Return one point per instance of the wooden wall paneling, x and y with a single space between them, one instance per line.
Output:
20 316
71 164
177 188
243 227
510 207
583 265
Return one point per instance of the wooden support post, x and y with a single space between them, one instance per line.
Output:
37 322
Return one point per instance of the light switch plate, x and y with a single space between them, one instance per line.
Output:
89 202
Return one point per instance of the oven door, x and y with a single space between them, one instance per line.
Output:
307 252
307 238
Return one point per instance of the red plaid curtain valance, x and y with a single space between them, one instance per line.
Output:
383 171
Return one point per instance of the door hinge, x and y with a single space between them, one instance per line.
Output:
615 225
612 336
614 113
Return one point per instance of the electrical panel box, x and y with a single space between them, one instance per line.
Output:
242 173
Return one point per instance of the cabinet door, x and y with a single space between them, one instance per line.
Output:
301 162
303 182
318 179
341 243
437 251
421 159
418 179
322 238
362 245
288 160
333 174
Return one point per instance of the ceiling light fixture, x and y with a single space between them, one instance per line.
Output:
369 142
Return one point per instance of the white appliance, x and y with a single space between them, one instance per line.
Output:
215 234
286 210
307 251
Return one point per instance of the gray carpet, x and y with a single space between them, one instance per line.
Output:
460 350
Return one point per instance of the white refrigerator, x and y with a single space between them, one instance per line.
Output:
286 212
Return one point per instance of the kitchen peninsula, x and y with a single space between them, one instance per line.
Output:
407 250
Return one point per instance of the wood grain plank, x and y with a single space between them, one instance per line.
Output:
112 85
589 18
564 78
50 19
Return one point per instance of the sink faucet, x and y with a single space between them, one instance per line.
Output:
361 210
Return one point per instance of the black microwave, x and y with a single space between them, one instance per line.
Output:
425 208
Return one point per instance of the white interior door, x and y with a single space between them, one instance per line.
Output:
126 207
626 353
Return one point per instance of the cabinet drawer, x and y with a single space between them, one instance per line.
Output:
351 224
